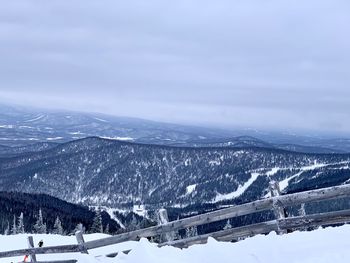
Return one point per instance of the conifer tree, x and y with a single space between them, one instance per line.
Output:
97 223
7 229
133 225
107 229
14 226
228 225
40 227
191 232
20 225
57 228
176 235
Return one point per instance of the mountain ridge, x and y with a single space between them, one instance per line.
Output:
21 126
97 171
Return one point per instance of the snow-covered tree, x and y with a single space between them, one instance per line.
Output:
57 228
20 224
14 226
228 225
177 235
40 227
7 229
133 223
107 229
191 232
97 223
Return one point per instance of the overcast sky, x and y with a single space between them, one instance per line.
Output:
250 63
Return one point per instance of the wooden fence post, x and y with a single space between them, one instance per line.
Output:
302 210
302 213
163 219
279 210
81 242
31 245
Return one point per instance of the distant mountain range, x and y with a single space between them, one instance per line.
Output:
117 162
97 171
248 141
21 126
131 160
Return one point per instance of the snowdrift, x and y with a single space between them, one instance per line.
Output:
321 246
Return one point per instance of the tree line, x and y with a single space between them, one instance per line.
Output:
38 213
17 226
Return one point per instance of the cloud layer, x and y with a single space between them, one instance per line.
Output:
251 63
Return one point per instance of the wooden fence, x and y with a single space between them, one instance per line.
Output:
276 202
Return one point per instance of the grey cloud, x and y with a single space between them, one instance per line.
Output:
224 63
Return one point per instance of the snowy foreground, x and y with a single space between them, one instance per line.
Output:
321 246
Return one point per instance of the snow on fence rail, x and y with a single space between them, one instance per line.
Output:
276 203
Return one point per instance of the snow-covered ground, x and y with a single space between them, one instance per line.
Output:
321 246
240 190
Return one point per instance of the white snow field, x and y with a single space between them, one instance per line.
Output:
321 246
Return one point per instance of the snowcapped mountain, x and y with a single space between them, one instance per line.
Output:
26 126
23 126
97 171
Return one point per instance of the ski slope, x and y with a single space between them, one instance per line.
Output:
321 246
240 190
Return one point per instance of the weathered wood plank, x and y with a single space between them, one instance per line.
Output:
31 245
329 193
275 192
234 211
81 242
214 216
226 235
278 208
41 250
164 219
336 217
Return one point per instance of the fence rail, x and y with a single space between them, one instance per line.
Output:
276 203
41 250
338 217
227 213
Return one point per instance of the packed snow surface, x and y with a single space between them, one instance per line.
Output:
321 246
99 119
284 184
190 188
7 126
54 138
36 118
240 190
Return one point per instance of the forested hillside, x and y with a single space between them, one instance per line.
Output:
71 215
96 171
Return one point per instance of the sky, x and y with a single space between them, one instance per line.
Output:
271 64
